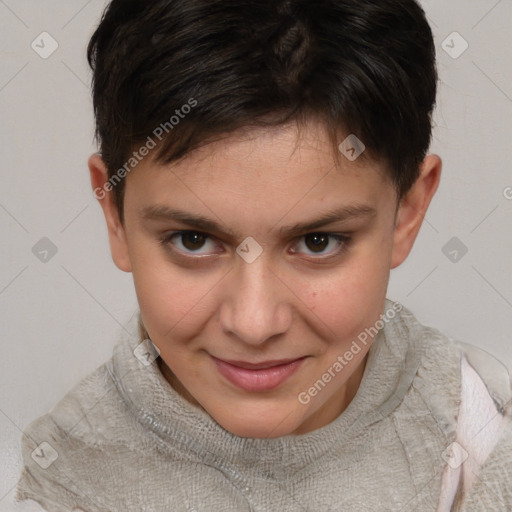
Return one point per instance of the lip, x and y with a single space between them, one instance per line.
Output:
262 376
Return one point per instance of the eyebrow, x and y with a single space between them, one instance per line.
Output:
199 222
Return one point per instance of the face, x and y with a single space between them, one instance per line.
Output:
257 261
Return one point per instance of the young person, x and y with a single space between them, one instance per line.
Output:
262 168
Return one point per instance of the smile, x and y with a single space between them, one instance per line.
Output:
257 377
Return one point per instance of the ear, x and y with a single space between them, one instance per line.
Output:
116 231
413 207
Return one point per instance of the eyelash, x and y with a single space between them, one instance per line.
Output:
343 241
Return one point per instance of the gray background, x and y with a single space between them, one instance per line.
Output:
61 317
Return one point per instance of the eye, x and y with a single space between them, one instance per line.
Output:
196 243
317 243
189 242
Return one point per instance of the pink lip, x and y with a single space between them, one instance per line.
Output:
257 377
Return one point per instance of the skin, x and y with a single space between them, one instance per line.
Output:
295 299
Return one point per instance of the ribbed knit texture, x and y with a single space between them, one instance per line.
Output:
126 441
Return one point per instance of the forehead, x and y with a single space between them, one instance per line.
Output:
266 172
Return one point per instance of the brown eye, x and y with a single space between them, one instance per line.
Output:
316 242
192 241
322 245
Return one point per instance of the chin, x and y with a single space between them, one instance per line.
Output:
259 424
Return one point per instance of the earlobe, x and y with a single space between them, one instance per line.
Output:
105 196
413 208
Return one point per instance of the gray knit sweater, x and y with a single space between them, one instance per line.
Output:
123 440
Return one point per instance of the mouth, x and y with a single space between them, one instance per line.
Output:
260 377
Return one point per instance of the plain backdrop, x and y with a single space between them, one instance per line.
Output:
61 313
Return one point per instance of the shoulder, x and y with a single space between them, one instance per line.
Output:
439 353
442 368
469 392
65 450
89 412
87 452
479 474
437 370
430 345
51 442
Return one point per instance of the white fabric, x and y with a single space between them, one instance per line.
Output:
479 427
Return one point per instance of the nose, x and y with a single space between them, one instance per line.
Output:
256 303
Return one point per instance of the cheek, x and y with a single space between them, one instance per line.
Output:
171 299
348 300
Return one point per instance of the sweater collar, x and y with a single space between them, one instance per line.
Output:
391 365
